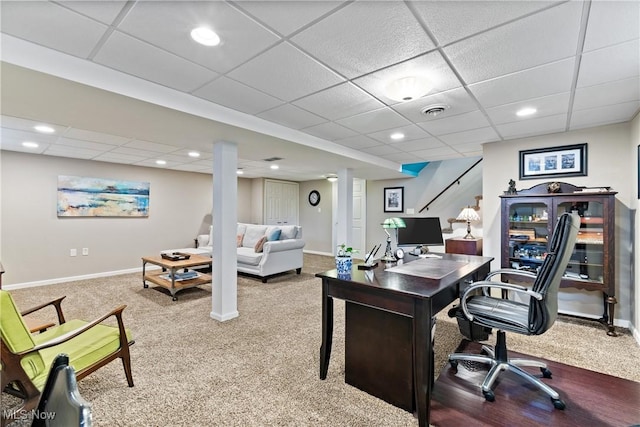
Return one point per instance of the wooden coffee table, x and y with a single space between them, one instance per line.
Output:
167 276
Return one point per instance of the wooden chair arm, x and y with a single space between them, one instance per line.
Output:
117 312
57 303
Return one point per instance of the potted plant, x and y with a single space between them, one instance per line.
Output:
343 259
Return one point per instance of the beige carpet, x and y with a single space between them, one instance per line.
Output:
262 367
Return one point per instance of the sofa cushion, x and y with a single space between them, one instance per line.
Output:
252 234
259 244
273 234
288 232
248 256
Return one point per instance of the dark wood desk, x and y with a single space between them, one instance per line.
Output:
415 298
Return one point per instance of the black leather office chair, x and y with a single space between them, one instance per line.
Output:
60 403
533 317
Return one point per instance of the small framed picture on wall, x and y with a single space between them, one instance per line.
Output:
394 199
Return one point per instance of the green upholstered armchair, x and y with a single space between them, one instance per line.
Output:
27 358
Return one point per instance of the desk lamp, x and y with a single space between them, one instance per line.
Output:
393 223
468 214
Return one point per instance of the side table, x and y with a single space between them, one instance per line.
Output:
463 246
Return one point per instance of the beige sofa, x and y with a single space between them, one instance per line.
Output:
280 251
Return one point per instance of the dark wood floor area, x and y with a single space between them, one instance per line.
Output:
592 399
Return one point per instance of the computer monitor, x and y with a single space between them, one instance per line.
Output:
420 232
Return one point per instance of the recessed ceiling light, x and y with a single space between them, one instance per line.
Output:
44 129
332 178
29 144
239 171
526 112
161 162
194 154
408 88
205 36
397 136
275 167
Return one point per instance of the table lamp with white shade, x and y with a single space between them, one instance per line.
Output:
468 214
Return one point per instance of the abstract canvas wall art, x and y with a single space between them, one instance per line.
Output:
82 196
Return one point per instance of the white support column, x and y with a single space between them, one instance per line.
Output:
344 219
224 286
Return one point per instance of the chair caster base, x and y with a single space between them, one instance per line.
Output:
489 396
545 372
558 404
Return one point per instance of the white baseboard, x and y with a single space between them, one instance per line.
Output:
75 278
317 253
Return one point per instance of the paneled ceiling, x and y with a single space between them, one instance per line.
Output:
123 82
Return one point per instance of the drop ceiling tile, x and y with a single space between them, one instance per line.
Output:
402 157
431 65
129 55
20 136
410 132
357 142
548 36
287 16
119 158
88 135
604 115
418 144
456 101
477 136
103 11
189 167
292 116
150 146
330 131
135 152
469 150
73 152
376 120
380 150
547 79
68 142
339 102
241 37
365 36
16 145
612 22
151 163
602 95
466 121
609 64
453 20
204 156
231 94
302 75
546 106
436 153
51 25
537 126
27 125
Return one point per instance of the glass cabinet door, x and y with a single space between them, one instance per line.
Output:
587 260
528 233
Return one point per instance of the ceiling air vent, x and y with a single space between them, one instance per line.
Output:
272 159
434 110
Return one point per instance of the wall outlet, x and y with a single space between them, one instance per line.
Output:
85 251
73 252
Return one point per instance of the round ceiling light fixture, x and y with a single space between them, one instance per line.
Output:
408 88
205 36
434 110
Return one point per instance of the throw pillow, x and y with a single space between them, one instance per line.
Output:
274 235
239 240
260 244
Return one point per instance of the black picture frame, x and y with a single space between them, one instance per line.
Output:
554 162
394 199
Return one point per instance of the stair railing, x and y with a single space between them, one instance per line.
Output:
455 181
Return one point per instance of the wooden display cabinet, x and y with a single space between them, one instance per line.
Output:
528 219
460 245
